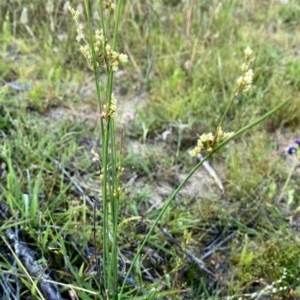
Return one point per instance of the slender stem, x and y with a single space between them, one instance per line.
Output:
114 170
105 209
110 184
117 22
115 214
227 109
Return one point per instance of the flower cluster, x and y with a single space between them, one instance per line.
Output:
115 58
111 112
113 106
79 26
108 6
244 82
104 54
208 141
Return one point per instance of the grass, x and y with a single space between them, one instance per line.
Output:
183 66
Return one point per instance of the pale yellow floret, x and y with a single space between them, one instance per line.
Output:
249 76
75 14
123 58
245 67
248 53
109 5
228 135
80 35
115 58
206 137
87 53
99 38
207 141
109 57
244 82
113 106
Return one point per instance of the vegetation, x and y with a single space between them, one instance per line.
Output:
230 232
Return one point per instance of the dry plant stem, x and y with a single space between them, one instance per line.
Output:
194 169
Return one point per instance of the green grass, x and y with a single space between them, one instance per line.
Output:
184 62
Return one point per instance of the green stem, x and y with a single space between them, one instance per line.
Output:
106 254
117 22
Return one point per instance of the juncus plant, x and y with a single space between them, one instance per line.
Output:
210 143
100 52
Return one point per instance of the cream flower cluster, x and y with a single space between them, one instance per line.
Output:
109 5
104 54
111 112
244 82
208 141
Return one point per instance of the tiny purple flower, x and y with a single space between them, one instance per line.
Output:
297 141
291 149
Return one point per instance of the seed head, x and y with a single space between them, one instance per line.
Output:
244 82
75 14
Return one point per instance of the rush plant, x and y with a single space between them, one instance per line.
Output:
99 47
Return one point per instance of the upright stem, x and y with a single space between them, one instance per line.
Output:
110 181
